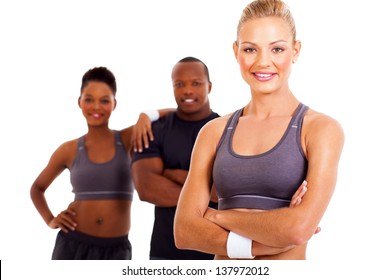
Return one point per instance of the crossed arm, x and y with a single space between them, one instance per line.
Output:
198 228
156 185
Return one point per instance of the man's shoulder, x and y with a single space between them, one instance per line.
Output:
214 115
164 121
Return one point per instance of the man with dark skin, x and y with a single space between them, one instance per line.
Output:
160 171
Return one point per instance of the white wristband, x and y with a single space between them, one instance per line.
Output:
239 247
153 115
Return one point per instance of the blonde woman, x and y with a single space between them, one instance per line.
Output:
258 156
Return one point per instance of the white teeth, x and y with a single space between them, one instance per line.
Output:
263 75
188 100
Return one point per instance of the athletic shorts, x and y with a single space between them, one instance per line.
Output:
79 246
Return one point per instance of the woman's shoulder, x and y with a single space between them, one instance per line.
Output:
319 123
313 117
214 129
217 123
69 148
65 153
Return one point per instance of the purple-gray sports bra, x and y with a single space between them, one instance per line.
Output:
265 181
108 180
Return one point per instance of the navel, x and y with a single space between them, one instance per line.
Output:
99 221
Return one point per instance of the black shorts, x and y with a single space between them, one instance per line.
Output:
79 246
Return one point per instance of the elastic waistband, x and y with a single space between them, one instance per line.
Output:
104 195
94 240
252 202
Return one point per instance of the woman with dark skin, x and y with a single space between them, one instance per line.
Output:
96 224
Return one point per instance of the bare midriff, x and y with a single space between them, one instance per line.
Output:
102 218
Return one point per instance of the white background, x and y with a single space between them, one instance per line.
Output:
46 47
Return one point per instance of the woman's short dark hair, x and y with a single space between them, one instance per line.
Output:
99 74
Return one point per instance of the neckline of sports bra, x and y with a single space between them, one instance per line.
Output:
234 123
116 140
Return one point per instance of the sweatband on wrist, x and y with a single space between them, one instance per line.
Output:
239 247
152 114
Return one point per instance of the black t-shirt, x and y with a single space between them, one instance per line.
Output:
174 139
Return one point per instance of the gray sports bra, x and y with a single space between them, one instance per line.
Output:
108 180
265 181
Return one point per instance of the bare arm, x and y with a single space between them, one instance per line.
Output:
191 229
259 249
54 168
179 176
152 186
294 226
142 130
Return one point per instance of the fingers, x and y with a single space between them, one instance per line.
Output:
298 195
146 136
67 221
142 134
64 221
69 212
297 201
138 143
136 139
150 133
142 138
302 189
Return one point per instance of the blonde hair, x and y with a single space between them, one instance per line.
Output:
267 8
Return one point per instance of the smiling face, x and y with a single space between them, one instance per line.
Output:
97 102
191 88
265 50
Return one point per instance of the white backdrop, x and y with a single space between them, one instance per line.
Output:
46 46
